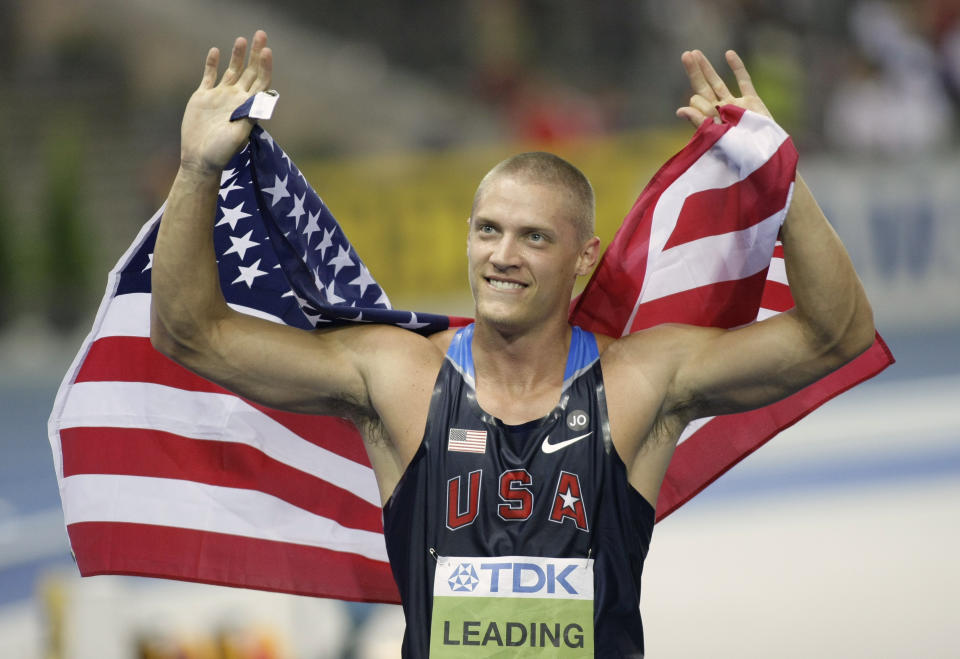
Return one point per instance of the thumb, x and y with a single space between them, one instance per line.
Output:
693 115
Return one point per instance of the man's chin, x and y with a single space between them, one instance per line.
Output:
502 317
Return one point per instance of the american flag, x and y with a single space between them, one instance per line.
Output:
467 441
165 474
696 248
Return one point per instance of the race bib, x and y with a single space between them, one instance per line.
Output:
517 606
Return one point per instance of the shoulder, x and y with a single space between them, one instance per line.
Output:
441 340
649 361
662 344
385 348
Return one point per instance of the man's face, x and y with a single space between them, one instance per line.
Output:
524 252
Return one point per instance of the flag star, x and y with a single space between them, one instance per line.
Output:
241 245
227 174
364 280
149 262
297 211
568 499
283 154
224 191
278 191
319 284
312 226
249 273
332 297
265 136
413 324
232 215
325 242
341 260
383 300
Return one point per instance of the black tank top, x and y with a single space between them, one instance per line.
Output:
501 526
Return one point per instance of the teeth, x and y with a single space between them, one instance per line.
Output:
496 283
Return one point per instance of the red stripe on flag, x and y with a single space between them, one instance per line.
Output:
134 359
725 304
776 297
157 454
725 440
739 206
230 560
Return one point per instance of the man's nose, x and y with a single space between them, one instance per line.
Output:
506 253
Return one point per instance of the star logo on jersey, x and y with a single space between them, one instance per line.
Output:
463 578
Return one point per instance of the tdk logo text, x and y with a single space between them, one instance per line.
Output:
515 576
528 578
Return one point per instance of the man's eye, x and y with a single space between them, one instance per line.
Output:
486 228
536 237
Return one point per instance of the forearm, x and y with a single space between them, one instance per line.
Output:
830 301
187 299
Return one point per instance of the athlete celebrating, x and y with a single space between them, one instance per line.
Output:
518 459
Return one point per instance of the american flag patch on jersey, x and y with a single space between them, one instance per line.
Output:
468 441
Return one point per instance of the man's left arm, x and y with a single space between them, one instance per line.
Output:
719 371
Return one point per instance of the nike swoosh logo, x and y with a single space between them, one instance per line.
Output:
547 447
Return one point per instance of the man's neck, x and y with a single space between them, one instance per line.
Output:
519 374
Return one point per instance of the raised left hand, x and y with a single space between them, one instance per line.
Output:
710 91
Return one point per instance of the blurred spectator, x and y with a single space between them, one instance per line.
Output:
941 20
893 101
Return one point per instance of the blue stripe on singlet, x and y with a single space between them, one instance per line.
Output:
460 353
581 356
583 353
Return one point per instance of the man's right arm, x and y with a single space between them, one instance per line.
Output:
345 371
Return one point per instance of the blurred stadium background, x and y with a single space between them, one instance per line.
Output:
838 539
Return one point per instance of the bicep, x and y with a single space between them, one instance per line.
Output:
725 371
277 365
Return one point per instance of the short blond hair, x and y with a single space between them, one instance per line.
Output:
550 169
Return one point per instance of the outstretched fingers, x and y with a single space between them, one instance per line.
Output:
712 78
260 65
709 90
740 73
234 69
265 72
691 63
210 68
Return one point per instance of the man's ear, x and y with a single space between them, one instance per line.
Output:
587 258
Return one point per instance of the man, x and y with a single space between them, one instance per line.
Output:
518 459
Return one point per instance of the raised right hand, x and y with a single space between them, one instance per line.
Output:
208 139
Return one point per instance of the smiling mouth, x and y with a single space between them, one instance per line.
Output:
505 285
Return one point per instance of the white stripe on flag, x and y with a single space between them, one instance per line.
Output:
129 315
191 505
778 271
210 416
751 143
726 257
763 314
693 427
